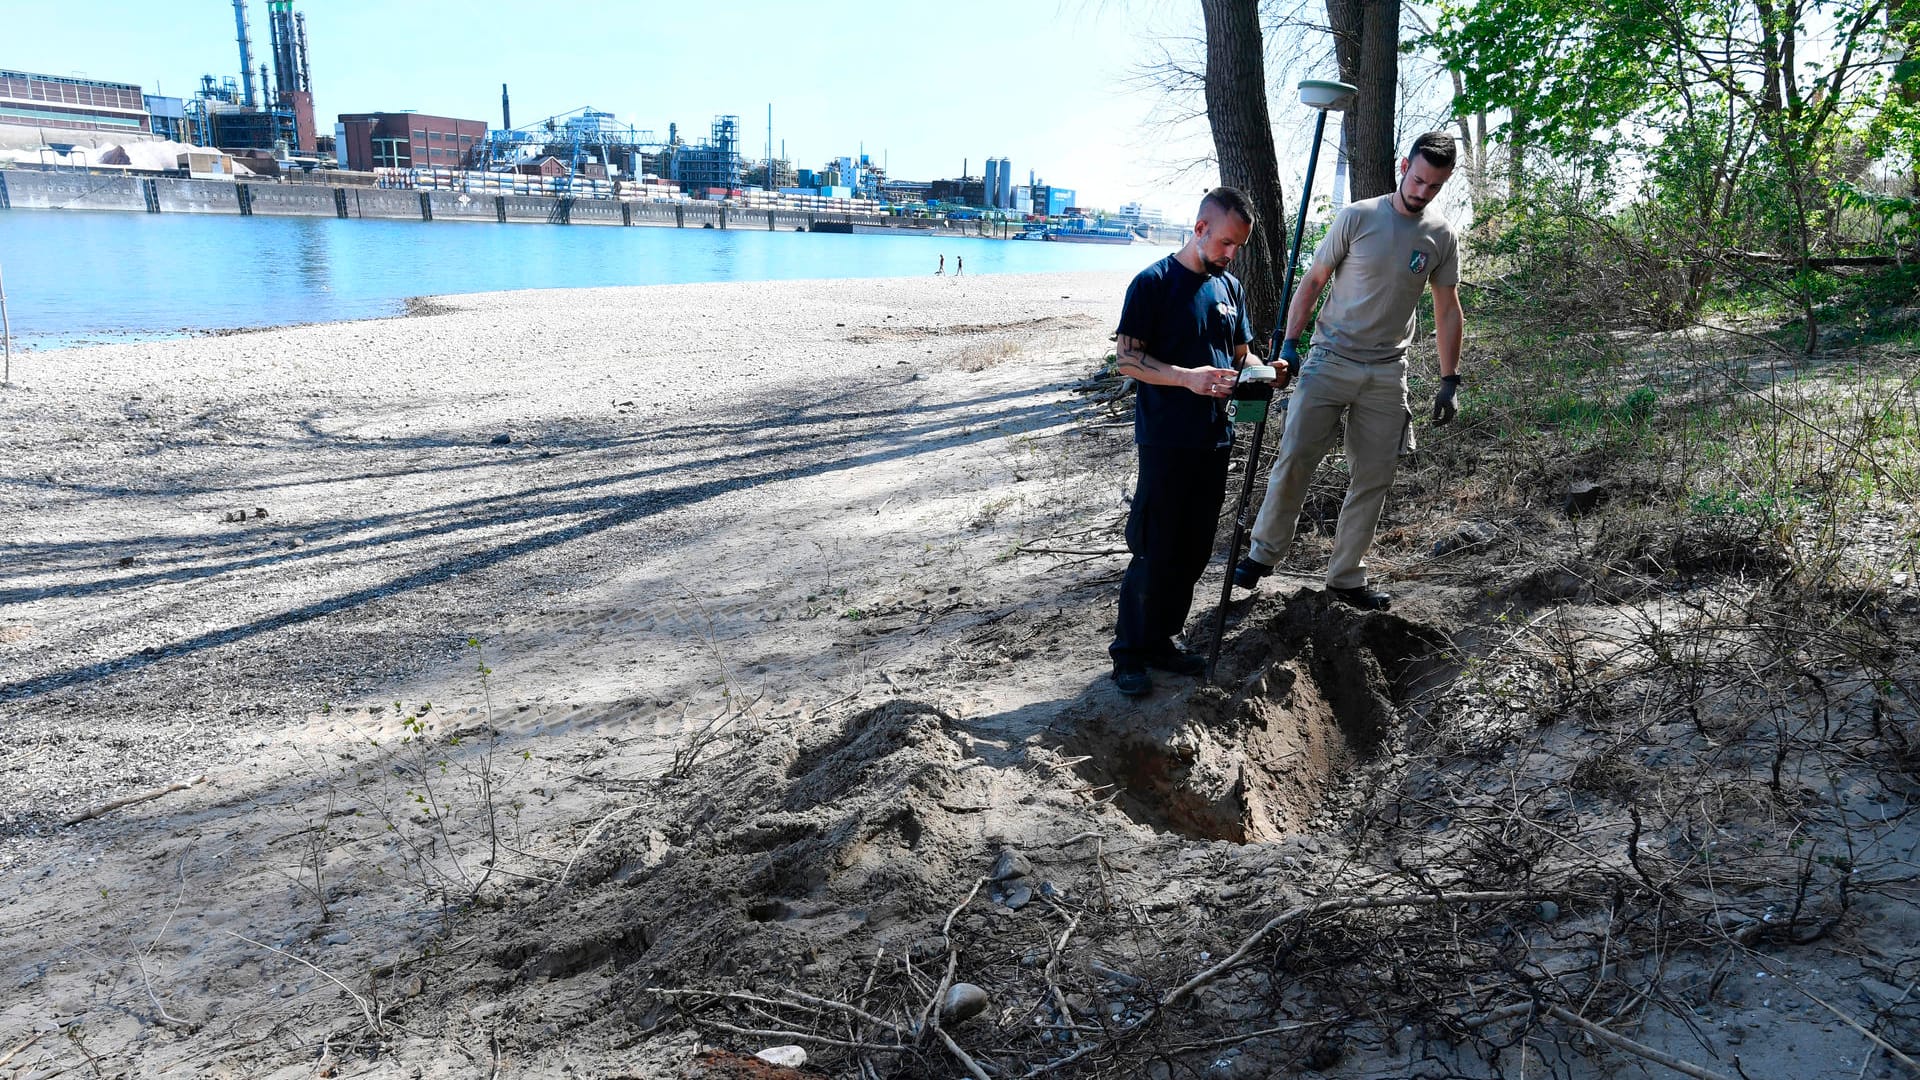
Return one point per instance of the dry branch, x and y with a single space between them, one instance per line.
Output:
1640 1049
1335 905
11 1054
586 842
146 796
366 1007
1844 1018
799 1036
967 1062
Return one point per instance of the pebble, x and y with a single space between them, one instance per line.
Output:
502 439
1548 910
1018 897
789 1055
964 1002
1010 864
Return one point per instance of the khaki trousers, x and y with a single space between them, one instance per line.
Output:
1373 398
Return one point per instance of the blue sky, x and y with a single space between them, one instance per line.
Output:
1043 83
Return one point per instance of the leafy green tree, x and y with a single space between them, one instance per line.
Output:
1747 114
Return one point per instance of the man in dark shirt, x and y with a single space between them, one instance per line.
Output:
1183 330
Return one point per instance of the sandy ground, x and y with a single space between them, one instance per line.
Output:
221 553
792 601
684 464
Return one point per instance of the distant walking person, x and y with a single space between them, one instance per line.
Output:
943 267
959 264
1183 330
1380 254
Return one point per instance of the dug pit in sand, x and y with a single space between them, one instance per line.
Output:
1317 687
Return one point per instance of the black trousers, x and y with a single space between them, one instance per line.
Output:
1170 533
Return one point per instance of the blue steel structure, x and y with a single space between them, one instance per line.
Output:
587 136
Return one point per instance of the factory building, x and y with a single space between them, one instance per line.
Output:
53 101
167 117
364 142
703 168
967 191
271 115
905 192
1052 201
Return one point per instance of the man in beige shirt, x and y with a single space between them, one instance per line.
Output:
1380 255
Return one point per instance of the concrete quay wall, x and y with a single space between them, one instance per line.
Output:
288 200
384 203
72 191
75 190
194 197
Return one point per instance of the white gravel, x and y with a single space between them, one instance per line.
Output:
145 637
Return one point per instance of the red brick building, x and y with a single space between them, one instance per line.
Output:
371 141
548 166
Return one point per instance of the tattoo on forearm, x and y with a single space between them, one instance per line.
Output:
1130 357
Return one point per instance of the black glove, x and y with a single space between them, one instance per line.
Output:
1444 409
1290 355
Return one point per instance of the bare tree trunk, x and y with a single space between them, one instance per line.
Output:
1517 154
1342 173
1473 146
1243 143
1366 41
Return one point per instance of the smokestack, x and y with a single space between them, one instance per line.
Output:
306 71
506 110
286 79
246 51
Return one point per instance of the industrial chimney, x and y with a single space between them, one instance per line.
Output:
246 51
306 70
506 110
280 36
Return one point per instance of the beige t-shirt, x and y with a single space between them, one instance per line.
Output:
1381 262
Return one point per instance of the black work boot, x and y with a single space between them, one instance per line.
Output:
1362 597
1248 573
1178 661
1131 678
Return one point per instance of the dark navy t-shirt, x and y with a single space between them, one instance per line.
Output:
1187 320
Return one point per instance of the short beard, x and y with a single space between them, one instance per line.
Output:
1215 269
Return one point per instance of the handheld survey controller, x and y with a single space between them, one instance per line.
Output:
1252 394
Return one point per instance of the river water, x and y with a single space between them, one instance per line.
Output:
81 277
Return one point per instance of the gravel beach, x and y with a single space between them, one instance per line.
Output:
205 538
618 682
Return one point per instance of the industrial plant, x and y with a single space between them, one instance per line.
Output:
261 125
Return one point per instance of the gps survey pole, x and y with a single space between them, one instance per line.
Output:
6 333
1320 95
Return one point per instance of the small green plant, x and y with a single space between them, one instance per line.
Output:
444 818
